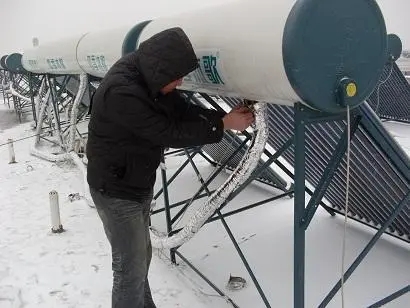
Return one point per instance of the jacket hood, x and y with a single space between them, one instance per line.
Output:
165 57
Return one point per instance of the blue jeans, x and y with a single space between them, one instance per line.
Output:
126 227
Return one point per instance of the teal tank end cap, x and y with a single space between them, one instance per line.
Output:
395 47
13 63
327 43
3 62
132 38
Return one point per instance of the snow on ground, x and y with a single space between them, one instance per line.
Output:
73 269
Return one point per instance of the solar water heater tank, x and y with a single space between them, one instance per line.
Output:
323 53
98 51
57 57
13 63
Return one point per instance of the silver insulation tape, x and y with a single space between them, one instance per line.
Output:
74 111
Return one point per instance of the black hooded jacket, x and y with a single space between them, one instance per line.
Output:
132 122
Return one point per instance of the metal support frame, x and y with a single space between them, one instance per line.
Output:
218 215
22 84
57 89
303 214
391 297
299 210
54 97
399 207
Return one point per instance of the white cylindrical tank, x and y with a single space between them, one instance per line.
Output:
58 57
240 52
98 51
320 53
313 51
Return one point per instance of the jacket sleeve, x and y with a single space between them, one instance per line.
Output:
133 114
189 110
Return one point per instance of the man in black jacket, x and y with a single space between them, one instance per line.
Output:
136 113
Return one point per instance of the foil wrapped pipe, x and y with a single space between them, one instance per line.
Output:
40 116
53 114
38 98
241 173
74 110
67 112
79 163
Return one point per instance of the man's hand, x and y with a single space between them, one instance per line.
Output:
240 118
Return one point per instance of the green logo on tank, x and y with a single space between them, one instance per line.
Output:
209 64
56 63
97 63
209 73
33 63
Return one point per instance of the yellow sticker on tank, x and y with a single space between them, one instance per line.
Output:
351 89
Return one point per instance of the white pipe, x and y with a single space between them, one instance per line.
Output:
42 86
56 226
37 101
81 90
74 111
12 155
48 156
5 86
38 98
67 111
81 166
15 93
238 177
40 116
53 112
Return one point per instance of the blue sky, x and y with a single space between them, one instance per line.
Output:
21 20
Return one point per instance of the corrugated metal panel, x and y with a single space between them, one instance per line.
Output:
376 187
391 97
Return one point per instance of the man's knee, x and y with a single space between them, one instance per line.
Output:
131 266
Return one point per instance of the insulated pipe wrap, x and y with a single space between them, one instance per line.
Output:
238 177
74 111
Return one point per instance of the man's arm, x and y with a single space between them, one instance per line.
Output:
190 111
144 122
